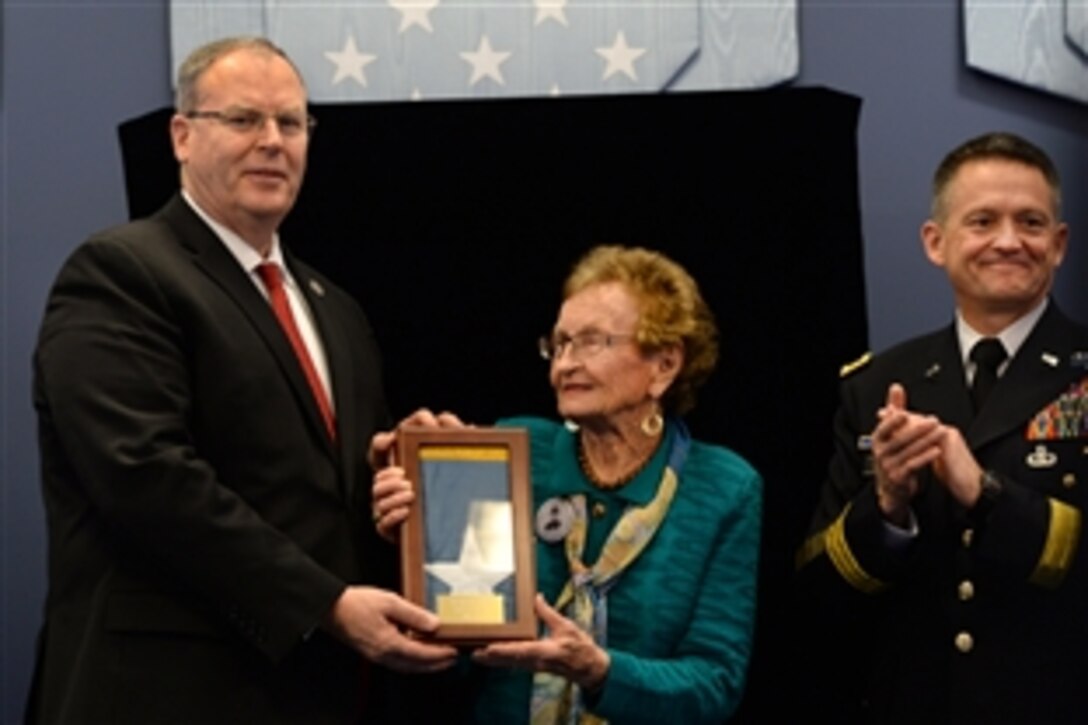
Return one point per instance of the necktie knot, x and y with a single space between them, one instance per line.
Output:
987 355
269 272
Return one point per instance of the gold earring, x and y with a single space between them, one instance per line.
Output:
652 424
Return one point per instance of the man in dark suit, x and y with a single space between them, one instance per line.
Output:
205 402
948 544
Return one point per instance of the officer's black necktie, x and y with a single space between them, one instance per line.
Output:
987 355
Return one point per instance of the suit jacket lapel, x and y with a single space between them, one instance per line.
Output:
1038 374
212 256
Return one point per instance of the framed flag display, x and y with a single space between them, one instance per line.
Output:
466 547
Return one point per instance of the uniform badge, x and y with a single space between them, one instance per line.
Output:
865 447
1042 457
554 519
856 365
1064 418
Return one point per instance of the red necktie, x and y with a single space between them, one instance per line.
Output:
273 282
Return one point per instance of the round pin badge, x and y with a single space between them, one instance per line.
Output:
554 519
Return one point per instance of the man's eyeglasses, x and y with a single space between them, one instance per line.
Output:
582 345
249 120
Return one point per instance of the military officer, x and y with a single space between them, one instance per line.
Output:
945 569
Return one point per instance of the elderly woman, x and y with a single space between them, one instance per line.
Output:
647 567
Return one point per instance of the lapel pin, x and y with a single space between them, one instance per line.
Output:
554 519
1050 359
933 370
316 288
1041 457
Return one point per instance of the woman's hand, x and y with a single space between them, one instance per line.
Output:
391 494
567 651
391 497
383 445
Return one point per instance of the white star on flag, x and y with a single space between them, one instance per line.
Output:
485 62
621 58
414 12
487 556
550 9
350 62
471 574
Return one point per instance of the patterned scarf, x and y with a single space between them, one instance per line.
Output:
556 700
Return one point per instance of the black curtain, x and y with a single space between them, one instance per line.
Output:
454 224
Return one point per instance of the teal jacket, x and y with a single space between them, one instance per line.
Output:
680 618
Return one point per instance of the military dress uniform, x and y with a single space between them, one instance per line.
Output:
977 615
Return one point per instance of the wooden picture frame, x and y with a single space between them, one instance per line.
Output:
467 545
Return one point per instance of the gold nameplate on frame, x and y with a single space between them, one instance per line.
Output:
470 608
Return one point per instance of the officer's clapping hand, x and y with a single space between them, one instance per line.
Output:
957 468
903 443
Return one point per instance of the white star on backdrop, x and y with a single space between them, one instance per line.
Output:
350 62
485 62
398 46
550 9
621 58
414 12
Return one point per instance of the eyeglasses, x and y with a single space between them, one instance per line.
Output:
250 120
582 345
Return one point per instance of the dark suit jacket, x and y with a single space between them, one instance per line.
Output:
201 521
984 616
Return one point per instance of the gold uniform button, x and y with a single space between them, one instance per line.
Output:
966 590
1069 480
968 536
599 510
965 642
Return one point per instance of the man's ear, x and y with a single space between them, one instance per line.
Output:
933 242
1061 243
180 130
